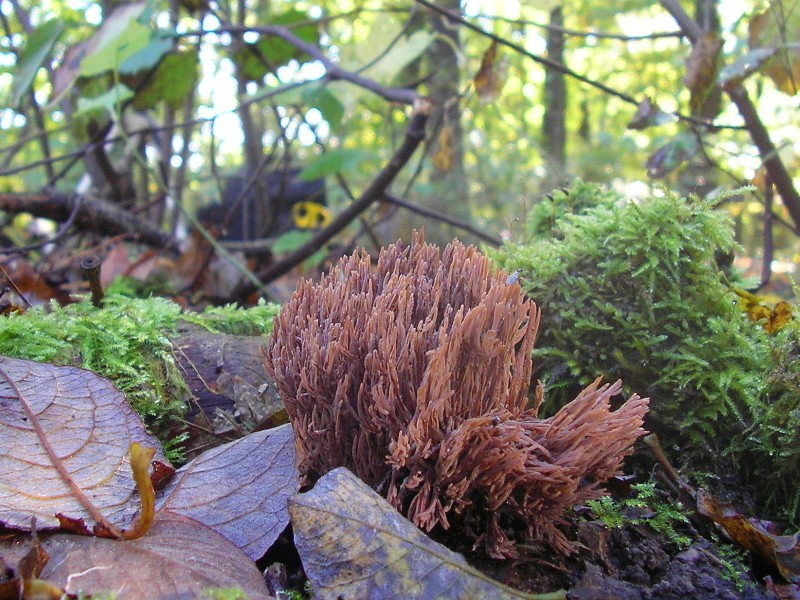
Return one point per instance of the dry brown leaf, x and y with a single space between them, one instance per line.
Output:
489 79
239 489
781 551
702 68
66 437
778 30
354 544
178 558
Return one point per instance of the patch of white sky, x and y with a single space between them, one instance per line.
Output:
217 89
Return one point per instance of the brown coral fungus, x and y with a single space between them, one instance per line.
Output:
414 374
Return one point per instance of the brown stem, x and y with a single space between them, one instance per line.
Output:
90 267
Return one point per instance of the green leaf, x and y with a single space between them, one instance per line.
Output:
40 44
172 82
290 241
270 52
389 64
323 100
332 162
119 38
110 101
148 56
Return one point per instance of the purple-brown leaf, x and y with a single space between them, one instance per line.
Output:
66 436
239 489
178 558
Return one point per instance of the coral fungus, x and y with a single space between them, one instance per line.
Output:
414 374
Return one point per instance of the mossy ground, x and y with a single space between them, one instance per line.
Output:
128 341
633 290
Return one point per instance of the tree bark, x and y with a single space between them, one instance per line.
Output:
554 128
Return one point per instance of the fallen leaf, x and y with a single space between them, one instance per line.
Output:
178 558
240 489
781 551
66 438
773 319
354 544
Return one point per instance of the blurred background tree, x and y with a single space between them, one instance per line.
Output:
152 105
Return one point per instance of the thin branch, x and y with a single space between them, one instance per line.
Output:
62 231
333 71
415 133
426 212
576 33
775 167
92 215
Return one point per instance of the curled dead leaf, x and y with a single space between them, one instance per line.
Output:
67 434
781 551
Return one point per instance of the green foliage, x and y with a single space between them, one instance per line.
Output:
643 508
234 593
127 341
633 291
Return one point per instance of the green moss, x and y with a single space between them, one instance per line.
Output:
643 508
129 342
633 291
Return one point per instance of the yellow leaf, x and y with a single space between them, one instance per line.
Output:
445 154
140 465
779 317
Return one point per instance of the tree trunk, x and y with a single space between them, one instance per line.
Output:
554 130
450 194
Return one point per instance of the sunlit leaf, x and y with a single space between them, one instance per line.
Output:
744 66
120 36
36 52
780 31
387 64
332 162
445 154
111 101
702 68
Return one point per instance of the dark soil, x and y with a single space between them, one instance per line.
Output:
632 563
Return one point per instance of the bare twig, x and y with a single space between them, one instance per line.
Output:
778 173
333 71
426 212
92 215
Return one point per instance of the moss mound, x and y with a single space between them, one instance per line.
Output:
632 290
